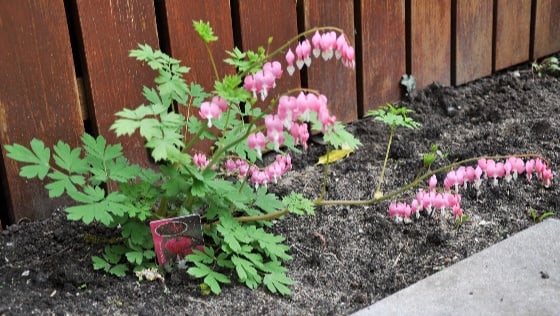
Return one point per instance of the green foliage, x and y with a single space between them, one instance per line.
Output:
394 117
235 215
549 66
246 62
38 159
536 217
205 31
429 158
340 138
82 174
296 203
459 221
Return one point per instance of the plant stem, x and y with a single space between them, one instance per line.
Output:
195 138
391 133
212 61
416 182
325 177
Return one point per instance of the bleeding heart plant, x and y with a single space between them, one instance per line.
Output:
227 186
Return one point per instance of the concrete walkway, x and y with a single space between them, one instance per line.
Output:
518 276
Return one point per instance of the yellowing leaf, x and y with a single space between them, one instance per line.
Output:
334 155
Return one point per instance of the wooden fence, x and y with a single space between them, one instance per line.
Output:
65 70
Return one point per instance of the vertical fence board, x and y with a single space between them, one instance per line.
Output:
473 40
38 94
331 78
431 42
513 26
260 20
187 46
109 30
383 51
547 28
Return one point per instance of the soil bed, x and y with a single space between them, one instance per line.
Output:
344 258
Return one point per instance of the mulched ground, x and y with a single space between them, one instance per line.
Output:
345 258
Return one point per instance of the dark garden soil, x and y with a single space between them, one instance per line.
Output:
344 258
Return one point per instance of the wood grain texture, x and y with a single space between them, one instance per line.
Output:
431 42
547 28
260 20
473 40
38 95
186 45
513 29
383 51
113 81
331 78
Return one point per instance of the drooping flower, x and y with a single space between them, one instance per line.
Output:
316 41
529 165
263 80
547 177
432 182
209 111
274 68
290 57
259 177
457 211
200 160
274 130
220 102
257 142
328 44
517 166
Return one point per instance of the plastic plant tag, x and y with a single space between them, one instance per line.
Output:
174 238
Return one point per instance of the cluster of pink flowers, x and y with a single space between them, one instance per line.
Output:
450 199
292 115
212 110
200 160
263 80
325 45
241 169
257 176
429 202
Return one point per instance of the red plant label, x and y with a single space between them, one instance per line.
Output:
174 238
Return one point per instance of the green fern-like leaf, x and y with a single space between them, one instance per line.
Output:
340 138
38 158
246 272
205 31
277 282
298 204
68 159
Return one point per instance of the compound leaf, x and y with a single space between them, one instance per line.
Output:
298 204
38 156
278 282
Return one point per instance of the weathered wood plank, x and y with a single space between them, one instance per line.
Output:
547 28
38 94
383 51
187 46
331 78
473 40
260 20
109 30
431 42
513 29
